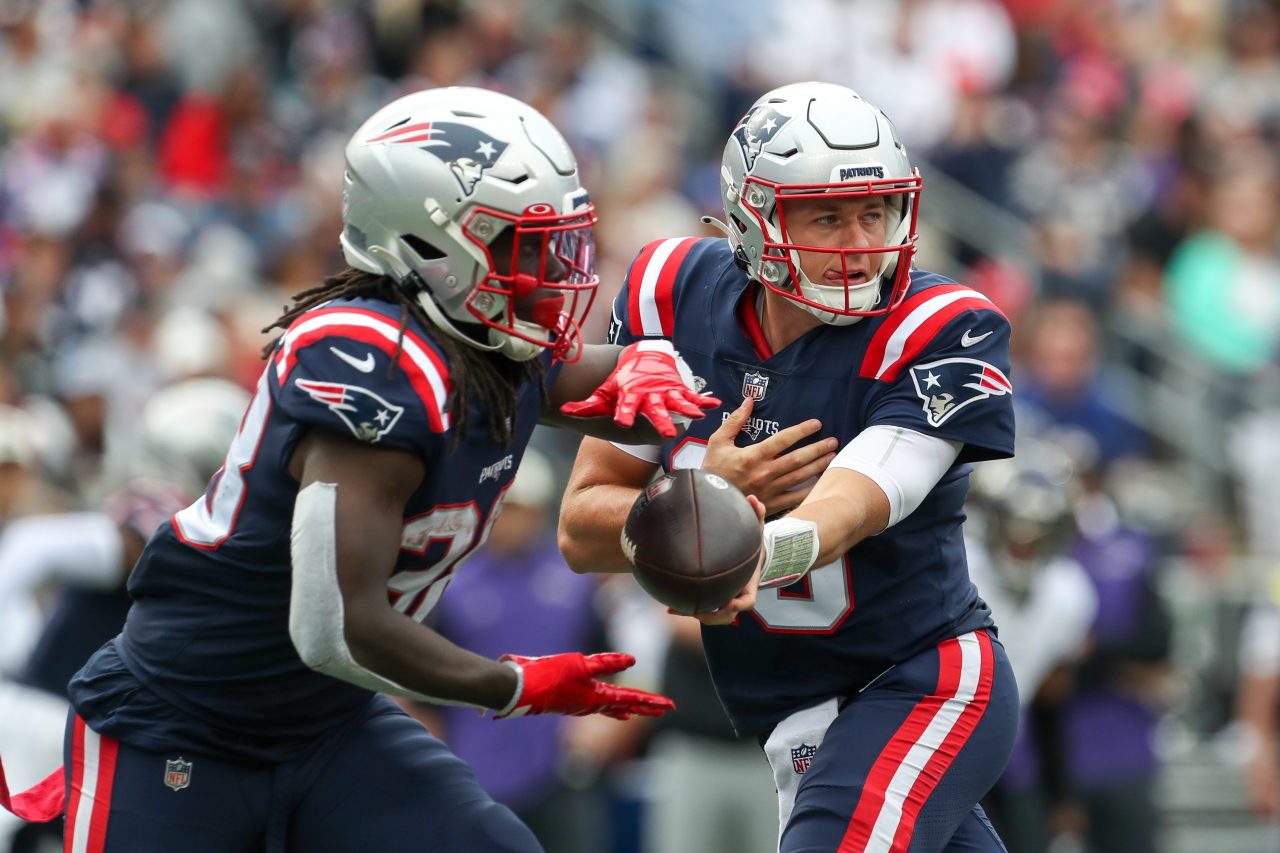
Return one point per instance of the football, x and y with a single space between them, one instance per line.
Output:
693 540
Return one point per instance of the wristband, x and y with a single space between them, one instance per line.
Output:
790 549
515 697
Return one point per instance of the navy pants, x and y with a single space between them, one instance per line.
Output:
903 764
379 783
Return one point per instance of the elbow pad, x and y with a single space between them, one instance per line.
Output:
905 464
317 622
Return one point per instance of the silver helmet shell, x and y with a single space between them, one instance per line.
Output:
810 140
472 200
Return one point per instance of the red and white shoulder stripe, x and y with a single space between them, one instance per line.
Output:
425 369
910 329
651 307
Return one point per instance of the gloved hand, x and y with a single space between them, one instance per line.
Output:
650 379
566 684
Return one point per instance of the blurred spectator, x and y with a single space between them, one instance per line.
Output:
1124 689
919 56
517 593
1223 290
1063 382
1258 706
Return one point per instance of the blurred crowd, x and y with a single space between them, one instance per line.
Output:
1106 170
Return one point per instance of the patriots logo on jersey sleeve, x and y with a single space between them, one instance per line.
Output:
948 385
757 127
466 149
368 416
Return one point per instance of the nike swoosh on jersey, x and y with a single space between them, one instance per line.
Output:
966 340
364 365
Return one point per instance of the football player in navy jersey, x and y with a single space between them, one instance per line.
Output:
241 708
860 655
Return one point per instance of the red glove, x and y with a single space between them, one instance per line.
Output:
650 379
566 684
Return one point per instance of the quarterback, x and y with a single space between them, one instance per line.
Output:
861 655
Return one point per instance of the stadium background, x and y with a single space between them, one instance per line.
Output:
1105 170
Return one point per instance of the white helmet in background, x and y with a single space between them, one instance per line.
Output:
471 199
818 140
187 428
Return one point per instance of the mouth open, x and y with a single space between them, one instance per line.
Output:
848 280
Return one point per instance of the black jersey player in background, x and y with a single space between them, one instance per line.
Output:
241 708
861 655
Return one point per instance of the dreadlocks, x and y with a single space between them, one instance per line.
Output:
476 376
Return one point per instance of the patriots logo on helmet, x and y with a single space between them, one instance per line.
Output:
948 385
368 416
757 127
467 150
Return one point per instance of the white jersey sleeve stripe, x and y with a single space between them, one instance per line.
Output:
915 320
650 316
425 369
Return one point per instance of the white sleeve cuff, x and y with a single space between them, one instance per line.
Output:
905 464
646 452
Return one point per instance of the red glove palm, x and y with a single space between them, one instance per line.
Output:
647 380
566 684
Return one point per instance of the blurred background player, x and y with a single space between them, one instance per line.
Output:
83 559
865 663
1021 531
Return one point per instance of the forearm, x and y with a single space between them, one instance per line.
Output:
427 665
355 636
641 432
847 507
591 522
842 523
577 381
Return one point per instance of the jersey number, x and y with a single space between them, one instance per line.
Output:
416 593
817 607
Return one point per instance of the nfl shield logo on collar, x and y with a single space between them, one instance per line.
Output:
802 757
754 385
177 773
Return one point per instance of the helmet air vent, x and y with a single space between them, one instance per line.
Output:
425 250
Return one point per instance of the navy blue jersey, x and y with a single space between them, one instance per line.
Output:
937 364
205 659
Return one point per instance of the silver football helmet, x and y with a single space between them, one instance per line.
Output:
186 429
809 141
1024 508
472 200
